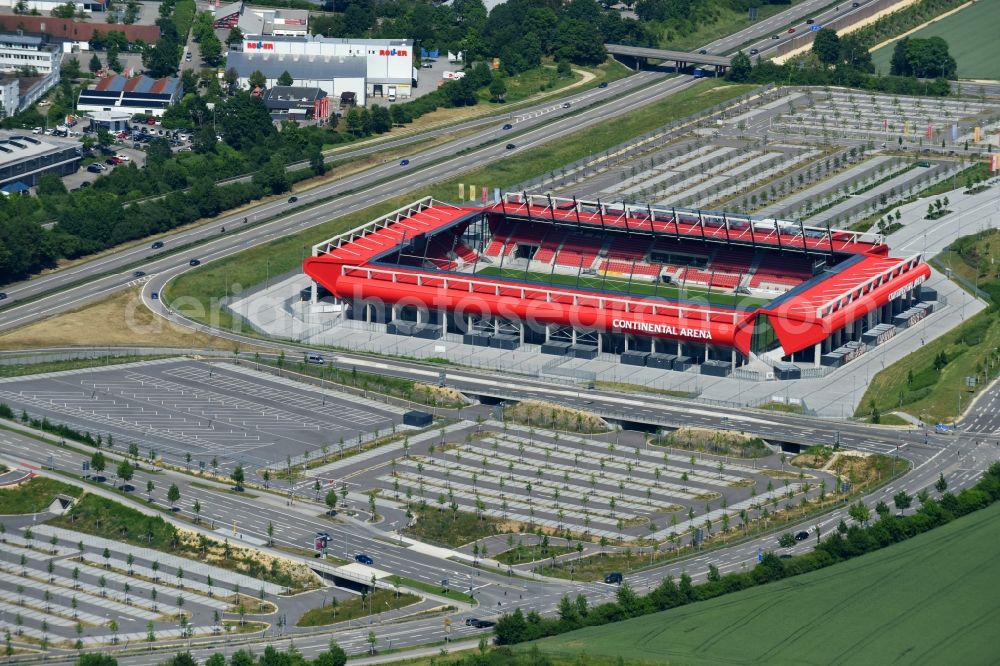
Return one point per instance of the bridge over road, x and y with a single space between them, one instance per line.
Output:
681 59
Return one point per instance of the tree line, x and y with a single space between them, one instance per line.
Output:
835 60
845 543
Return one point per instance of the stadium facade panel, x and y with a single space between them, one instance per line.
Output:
621 277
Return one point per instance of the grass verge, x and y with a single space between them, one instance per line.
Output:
34 495
436 589
22 369
378 601
450 528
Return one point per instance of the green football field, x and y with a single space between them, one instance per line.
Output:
972 40
717 296
930 600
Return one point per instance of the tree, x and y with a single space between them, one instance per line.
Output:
860 512
235 36
113 62
97 462
372 640
173 494
66 11
739 68
331 500
381 120
125 471
786 540
285 79
71 68
238 477
334 656
257 79
149 490
498 89
941 485
211 50
826 46
902 500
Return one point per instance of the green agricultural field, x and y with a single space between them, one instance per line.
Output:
971 36
715 296
923 601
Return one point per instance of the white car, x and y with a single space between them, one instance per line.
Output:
37 130
123 157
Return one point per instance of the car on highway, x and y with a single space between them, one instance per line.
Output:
478 623
703 52
194 262
613 578
139 274
157 245
801 536
855 4
791 30
775 36
3 295
361 558
403 162
507 126
510 146
810 21
602 84
566 105
754 51
292 199
155 296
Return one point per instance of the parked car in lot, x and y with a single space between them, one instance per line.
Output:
94 168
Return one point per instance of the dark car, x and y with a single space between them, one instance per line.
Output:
785 556
809 21
93 168
855 4
511 146
194 262
614 578
703 52
566 105
754 51
364 559
139 274
403 162
3 295
507 126
292 199
801 536
602 84
157 245
110 161
471 621
775 36
480 624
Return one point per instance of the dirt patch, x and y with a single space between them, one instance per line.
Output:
720 442
437 395
119 320
555 417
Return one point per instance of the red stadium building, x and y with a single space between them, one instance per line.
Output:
658 286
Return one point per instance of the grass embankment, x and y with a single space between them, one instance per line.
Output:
930 383
379 601
405 389
554 417
202 288
870 609
714 20
34 495
22 369
435 589
623 285
970 33
719 442
523 554
91 326
105 518
445 527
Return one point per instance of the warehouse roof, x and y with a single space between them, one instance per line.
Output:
271 65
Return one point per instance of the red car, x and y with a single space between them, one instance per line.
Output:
791 30
150 121
117 160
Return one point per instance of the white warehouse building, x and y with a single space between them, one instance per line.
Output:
388 62
333 76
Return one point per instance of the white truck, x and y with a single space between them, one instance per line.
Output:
391 95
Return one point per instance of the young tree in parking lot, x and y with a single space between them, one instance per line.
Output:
173 494
238 477
125 472
97 462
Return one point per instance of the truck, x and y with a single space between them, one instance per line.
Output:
348 99
391 95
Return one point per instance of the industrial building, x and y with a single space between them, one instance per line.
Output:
25 159
139 94
297 103
266 21
333 75
388 63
